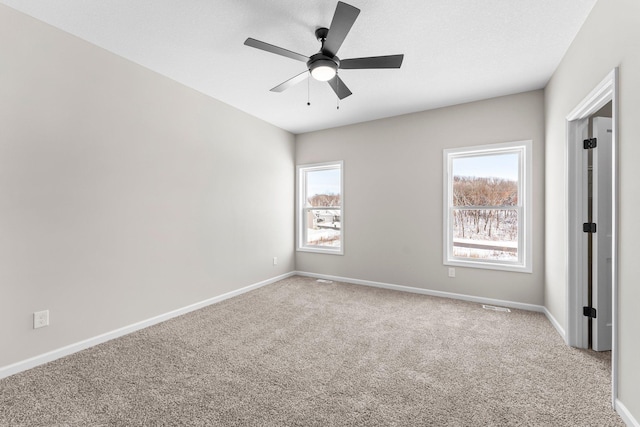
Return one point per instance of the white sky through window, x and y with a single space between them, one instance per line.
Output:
323 182
503 166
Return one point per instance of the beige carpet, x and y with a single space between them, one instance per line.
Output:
303 353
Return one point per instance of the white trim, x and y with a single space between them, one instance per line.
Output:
50 356
625 414
300 211
597 98
605 91
401 288
524 208
614 241
555 324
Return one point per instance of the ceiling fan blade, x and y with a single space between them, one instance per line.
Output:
389 61
292 81
343 20
339 87
275 49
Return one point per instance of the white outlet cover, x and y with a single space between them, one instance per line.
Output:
40 319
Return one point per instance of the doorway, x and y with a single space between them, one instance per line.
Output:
592 238
599 233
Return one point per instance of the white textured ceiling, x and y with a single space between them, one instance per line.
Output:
455 50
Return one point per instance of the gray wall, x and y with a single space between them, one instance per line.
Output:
609 38
393 195
124 195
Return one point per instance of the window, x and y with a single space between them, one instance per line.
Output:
320 213
487 206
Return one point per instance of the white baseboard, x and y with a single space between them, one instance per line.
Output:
555 324
24 365
32 362
463 297
626 416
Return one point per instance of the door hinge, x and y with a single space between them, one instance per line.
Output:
589 227
590 143
589 312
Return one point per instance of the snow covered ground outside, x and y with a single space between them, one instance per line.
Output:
486 249
323 237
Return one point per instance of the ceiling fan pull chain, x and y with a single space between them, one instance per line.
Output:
337 96
308 91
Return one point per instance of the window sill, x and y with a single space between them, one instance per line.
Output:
321 250
490 266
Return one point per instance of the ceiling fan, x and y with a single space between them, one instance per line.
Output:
324 65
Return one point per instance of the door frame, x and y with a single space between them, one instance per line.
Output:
577 324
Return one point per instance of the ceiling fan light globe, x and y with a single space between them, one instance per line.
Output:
323 73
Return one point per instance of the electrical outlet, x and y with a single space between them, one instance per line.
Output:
40 319
275 260
452 272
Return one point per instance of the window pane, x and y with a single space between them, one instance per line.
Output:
487 206
485 234
323 227
320 208
486 180
323 188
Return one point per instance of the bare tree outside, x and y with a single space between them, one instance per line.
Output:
324 200
485 217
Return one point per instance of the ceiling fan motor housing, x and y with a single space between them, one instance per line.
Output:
323 65
321 62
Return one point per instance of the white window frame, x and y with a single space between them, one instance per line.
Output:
524 207
301 229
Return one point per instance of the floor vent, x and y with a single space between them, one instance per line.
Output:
494 308
324 281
